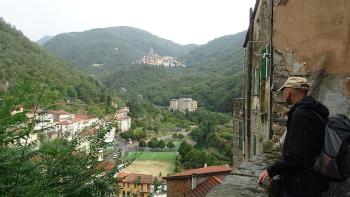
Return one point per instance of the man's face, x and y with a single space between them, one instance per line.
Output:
287 95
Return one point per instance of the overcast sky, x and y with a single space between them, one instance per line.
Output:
182 21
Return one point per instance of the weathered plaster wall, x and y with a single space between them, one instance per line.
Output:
313 35
260 99
312 39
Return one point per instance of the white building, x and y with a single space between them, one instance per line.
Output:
183 104
43 121
124 123
109 137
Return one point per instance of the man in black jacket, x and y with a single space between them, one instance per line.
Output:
303 143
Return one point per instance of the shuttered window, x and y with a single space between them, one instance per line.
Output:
264 63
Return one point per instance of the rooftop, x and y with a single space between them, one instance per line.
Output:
132 178
204 187
210 170
58 112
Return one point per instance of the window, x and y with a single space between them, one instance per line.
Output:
256 82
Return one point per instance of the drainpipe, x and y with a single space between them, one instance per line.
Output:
249 84
194 180
271 71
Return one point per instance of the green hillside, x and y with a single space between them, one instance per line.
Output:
218 53
26 70
43 40
214 79
112 47
213 75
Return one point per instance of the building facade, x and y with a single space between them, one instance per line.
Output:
183 104
138 185
291 38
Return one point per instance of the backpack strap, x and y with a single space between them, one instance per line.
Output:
319 116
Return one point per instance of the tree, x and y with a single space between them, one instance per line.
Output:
153 143
170 144
57 168
156 184
142 143
161 144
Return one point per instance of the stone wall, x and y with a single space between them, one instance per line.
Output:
238 131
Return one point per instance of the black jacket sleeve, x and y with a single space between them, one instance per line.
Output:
299 149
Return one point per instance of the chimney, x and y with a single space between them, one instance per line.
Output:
205 165
194 180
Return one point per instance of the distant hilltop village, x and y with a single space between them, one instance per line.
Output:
155 59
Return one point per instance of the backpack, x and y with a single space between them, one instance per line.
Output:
334 159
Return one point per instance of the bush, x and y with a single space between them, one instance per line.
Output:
170 144
142 143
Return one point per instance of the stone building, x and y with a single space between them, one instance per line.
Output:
291 38
183 104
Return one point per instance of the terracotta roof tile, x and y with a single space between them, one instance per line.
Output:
65 122
58 112
204 187
131 178
123 118
199 171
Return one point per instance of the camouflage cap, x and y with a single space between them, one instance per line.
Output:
295 82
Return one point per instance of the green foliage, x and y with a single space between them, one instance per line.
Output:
170 144
142 143
57 168
156 184
194 158
46 168
136 134
161 144
213 75
23 63
113 47
155 156
153 143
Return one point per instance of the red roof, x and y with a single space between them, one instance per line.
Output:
84 117
132 178
123 118
58 112
210 170
204 187
65 122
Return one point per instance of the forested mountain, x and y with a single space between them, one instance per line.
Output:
43 40
213 74
223 51
112 47
214 78
28 70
